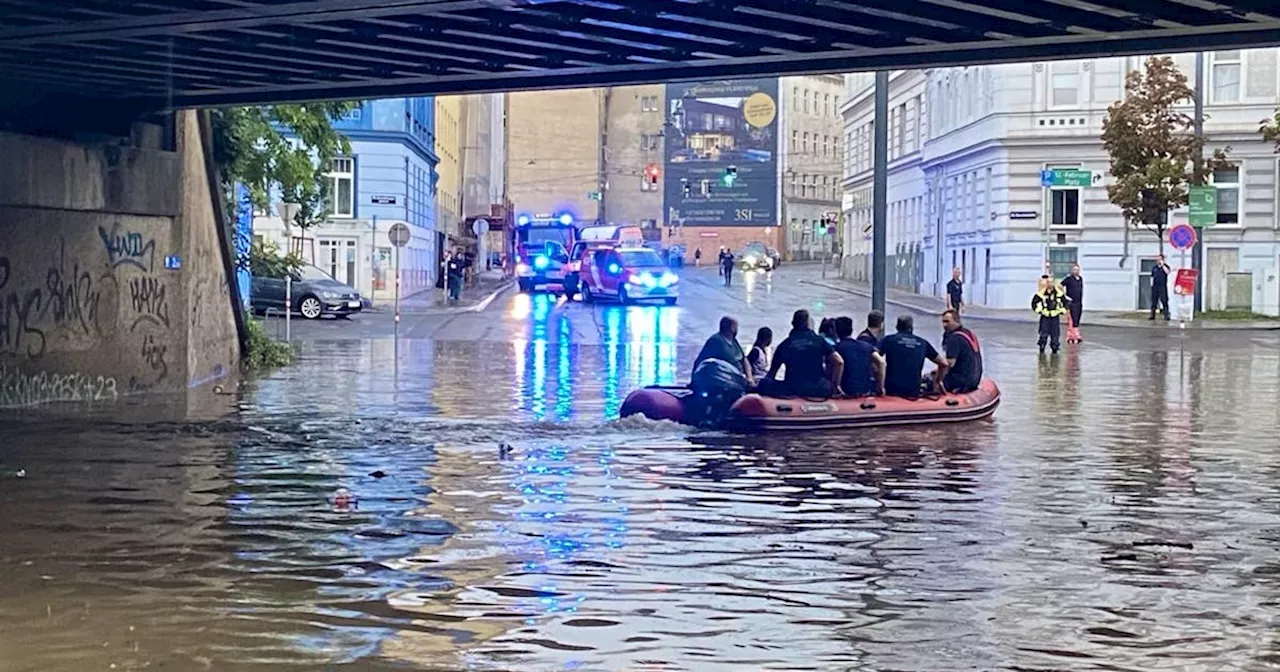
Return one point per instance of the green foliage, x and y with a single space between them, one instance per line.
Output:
266 261
1153 146
250 147
1270 130
264 353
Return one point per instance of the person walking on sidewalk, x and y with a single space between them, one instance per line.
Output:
455 266
697 257
955 291
1050 303
1160 288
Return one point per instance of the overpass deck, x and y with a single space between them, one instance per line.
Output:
163 53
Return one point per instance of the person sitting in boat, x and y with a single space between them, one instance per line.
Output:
963 353
875 329
827 328
813 367
863 365
758 357
725 347
904 357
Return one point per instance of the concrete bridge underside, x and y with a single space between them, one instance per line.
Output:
113 264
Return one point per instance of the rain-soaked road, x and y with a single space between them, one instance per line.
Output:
1121 512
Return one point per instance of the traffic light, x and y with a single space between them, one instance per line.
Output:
730 176
706 187
652 173
684 186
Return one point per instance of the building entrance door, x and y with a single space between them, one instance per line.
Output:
338 258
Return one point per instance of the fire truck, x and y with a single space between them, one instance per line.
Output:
540 246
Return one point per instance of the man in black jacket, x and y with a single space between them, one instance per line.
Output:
1160 288
1074 286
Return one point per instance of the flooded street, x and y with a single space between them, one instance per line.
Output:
1120 512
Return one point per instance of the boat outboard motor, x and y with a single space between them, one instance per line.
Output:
716 384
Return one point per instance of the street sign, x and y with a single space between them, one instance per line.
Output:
1066 177
1023 214
1182 237
1203 206
1184 282
480 227
382 199
399 234
173 262
594 195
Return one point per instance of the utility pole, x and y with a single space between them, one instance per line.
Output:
1197 250
880 191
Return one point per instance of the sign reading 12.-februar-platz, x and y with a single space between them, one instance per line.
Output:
722 153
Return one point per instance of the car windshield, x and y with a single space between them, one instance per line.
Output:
310 272
639 258
753 248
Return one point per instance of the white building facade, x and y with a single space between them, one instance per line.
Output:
967 147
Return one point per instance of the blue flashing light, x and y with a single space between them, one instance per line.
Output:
541 262
566 219
522 220
615 269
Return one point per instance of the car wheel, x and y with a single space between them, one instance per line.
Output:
525 286
623 298
587 296
671 301
311 308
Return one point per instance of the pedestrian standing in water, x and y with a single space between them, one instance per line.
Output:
726 265
697 257
1050 303
758 357
1073 284
455 267
955 291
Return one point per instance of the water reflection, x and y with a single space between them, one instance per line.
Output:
1120 512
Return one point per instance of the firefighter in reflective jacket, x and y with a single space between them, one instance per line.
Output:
1050 303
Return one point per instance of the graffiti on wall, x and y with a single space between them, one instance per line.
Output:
76 304
18 389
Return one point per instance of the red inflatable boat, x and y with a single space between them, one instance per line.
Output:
758 413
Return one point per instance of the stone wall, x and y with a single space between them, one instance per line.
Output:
111 281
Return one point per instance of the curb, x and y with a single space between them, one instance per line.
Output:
1014 320
447 310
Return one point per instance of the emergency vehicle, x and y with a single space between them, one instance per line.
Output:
627 274
595 238
541 246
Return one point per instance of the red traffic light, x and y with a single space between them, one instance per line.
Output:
651 170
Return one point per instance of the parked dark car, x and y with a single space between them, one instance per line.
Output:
315 294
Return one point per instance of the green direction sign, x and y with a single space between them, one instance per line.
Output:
594 195
1063 177
1203 206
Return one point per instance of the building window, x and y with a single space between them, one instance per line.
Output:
826 104
1064 84
795 99
1060 261
1260 79
806 101
1224 75
794 142
342 186
1065 206
648 142
804 144
1227 182
648 103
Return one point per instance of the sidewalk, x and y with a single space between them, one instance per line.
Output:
488 287
1134 320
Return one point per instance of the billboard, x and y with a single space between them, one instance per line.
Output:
722 153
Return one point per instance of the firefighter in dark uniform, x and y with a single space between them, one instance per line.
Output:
1050 303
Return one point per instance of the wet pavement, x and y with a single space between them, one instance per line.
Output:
1120 512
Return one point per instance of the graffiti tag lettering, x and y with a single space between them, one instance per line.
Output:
149 302
72 298
128 247
153 354
20 389
19 312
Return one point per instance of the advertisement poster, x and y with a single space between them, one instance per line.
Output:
722 153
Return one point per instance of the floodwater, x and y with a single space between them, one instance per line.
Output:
1121 512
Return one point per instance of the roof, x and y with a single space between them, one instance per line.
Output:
212 52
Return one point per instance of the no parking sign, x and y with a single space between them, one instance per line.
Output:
1182 237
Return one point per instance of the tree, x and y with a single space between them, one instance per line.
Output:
289 146
1155 153
1270 130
